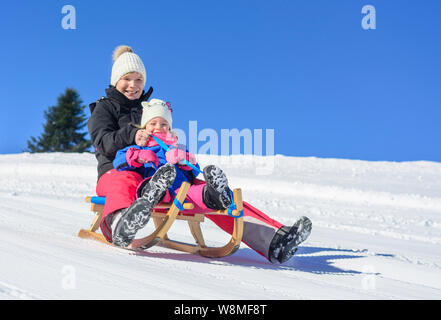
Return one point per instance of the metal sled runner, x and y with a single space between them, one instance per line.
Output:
165 214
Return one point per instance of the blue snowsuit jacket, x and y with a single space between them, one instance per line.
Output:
147 170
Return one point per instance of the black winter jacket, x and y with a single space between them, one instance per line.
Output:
111 125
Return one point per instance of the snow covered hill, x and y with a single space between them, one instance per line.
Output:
376 234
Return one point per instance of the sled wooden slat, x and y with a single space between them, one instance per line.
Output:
166 223
164 220
214 252
88 234
196 232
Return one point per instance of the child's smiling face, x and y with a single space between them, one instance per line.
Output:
131 85
157 125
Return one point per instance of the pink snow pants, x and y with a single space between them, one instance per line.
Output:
119 188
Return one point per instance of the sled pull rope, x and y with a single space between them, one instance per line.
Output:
166 148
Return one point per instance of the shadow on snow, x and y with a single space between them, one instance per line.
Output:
307 259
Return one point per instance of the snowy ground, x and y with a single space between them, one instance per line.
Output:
376 234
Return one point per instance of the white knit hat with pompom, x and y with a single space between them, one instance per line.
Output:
156 108
126 61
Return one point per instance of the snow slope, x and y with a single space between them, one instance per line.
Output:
376 234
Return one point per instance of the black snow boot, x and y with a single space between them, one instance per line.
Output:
137 215
287 239
216 193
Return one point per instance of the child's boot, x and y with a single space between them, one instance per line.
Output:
216 193
287 239
135 217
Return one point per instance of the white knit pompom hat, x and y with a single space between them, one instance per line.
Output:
126 61
156 108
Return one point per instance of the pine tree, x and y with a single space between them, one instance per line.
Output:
62 131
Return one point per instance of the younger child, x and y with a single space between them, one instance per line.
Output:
162 169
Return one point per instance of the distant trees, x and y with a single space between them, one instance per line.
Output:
63 128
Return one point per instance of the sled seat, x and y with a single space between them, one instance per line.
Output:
164 215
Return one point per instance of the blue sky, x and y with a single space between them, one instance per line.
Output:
306 69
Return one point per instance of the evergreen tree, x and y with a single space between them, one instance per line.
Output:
62 131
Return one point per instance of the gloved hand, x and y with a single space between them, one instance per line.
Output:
177 155
141 137
136 158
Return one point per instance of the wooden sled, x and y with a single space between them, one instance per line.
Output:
164 220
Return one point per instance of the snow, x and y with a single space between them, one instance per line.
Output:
376 234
